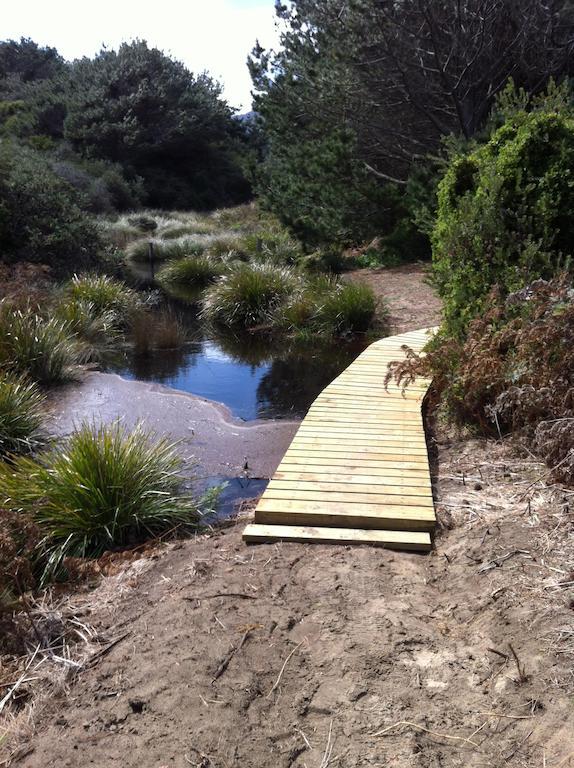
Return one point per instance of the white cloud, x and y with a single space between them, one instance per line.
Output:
215 35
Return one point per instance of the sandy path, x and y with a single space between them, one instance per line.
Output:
353 641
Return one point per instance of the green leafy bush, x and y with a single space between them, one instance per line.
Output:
505 213
107 489
40 216
45 349
248 295
21 415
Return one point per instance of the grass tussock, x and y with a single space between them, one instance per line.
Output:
104 293
108 488
248 295
191 272
156 331
163 250
21 415
45 349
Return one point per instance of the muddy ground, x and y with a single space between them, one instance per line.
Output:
289 655
211 441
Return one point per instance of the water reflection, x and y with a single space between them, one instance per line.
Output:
255 376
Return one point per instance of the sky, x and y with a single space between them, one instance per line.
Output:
212 35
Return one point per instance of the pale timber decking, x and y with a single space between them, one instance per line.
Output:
357 470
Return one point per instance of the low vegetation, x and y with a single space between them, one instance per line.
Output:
108 488
249 295
190 272
45 349
21 415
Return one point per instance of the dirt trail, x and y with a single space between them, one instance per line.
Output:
341 644
411 301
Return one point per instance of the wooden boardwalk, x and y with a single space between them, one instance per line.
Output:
357 470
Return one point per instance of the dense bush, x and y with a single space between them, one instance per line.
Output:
514 372
107 489
505 213
40 215
21 415
45 349
142 109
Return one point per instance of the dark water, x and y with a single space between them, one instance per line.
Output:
234 491
255 378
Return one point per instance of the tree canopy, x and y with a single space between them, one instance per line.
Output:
396 78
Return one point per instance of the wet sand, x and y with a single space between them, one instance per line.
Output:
208 434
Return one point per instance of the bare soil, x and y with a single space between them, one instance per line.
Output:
307 656
406 293
302 656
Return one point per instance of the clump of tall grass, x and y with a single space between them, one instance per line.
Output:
347 308
166 249
118 233
248 295
107 488
21 415
156 331
45 349
97 332
275 247
193 271
327 307
104 293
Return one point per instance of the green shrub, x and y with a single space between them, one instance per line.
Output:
107 488
514 371
45 349
191 272
40 216
248 295
21 415
505 213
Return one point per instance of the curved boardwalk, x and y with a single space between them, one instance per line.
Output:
357 470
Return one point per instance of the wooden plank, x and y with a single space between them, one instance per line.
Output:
338 465
416 449
407 540
377 426
341 488
325 495
362 477
382 454
275 511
